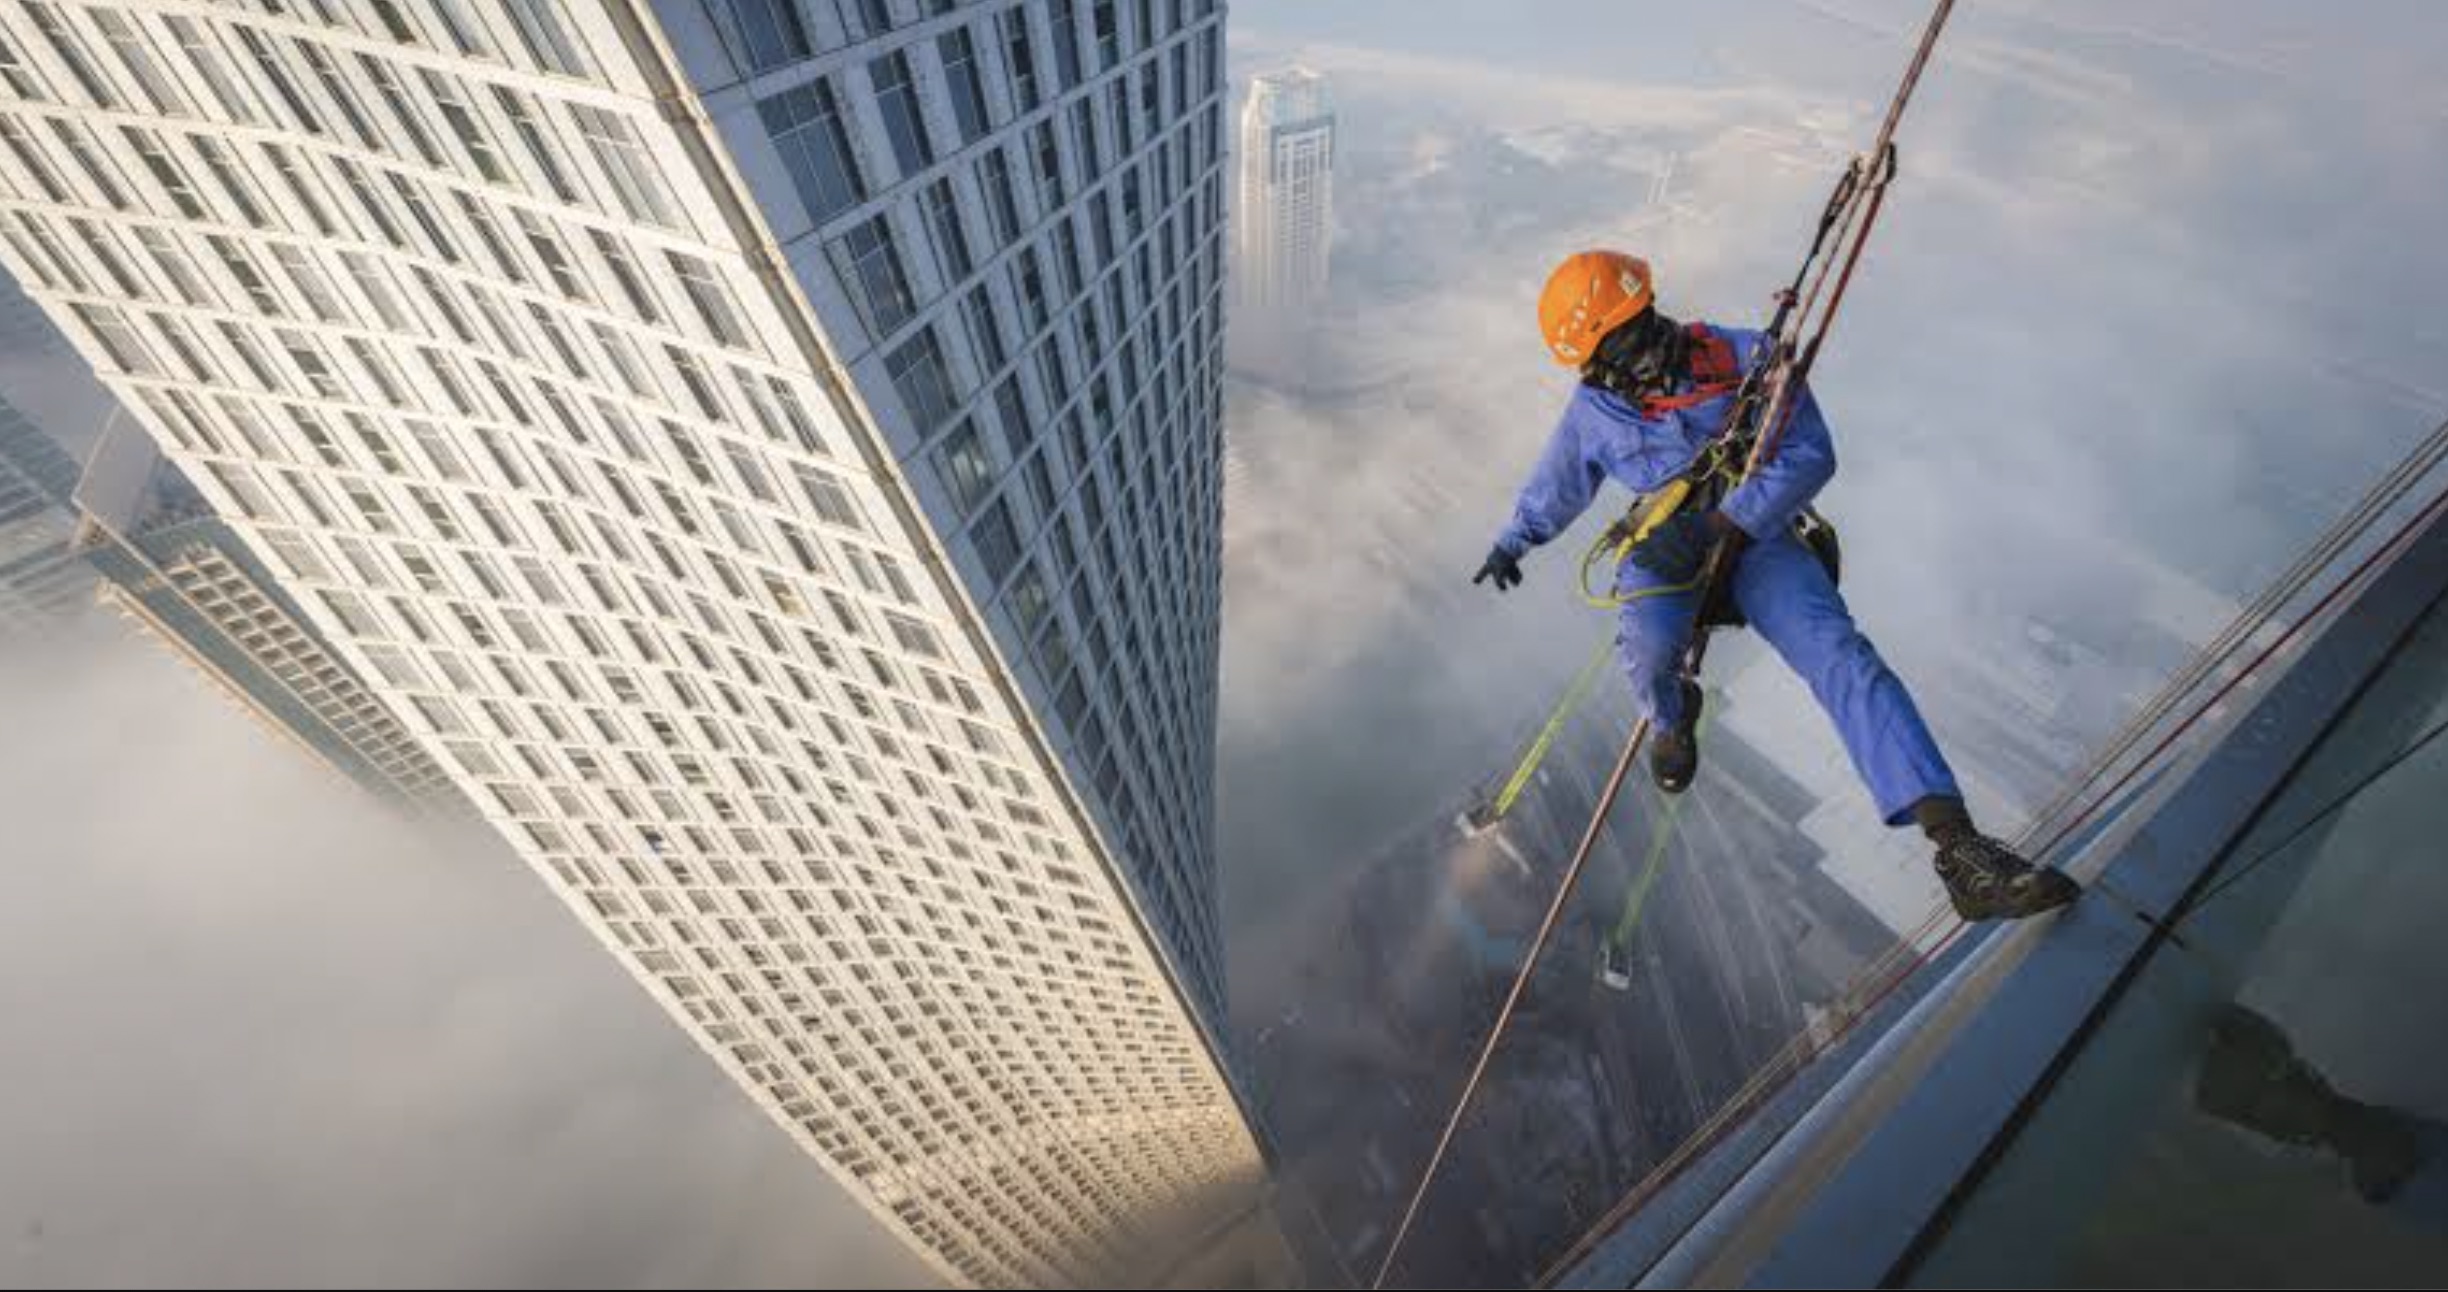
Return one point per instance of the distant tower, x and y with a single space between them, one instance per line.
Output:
1287 190
43 586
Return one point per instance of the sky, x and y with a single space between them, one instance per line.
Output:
2156 295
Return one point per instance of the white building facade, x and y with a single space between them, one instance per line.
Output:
1287 191
767 451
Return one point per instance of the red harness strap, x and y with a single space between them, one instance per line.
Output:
1713 373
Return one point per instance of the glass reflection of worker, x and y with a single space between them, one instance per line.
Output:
2251 1077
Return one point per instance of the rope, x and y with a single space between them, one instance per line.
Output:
1783 374
1536 754
2400 480
1521 984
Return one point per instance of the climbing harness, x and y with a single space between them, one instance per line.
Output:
1754 427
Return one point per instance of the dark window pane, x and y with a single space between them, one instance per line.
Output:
925 386
942 210
806 127
967 465
904 122
962 81
997 540
763 33
870 270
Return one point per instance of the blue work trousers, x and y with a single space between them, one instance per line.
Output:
1789 598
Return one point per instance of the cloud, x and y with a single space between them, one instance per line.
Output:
260 1032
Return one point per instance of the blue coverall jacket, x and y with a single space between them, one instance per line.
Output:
1778 585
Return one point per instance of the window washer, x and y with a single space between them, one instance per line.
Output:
1652 397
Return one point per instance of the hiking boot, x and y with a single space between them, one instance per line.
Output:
1987 881
1674 752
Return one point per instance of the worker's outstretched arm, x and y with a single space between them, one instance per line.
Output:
1559 489
1805 461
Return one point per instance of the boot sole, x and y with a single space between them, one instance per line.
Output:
2043 899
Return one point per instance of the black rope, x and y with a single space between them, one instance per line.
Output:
2329 809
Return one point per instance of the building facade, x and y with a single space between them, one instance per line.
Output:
767 452
43 586
1287 191
179 572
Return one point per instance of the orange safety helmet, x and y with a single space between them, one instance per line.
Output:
1591 294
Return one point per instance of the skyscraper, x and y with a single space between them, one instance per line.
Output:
43 585
1287 190
767 451
177 570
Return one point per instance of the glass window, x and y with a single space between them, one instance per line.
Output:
166 174
421 211
924 384
232 181
1084 140
278 74
488 232
97 171
625 273
135 51
403 110
1019 58
465 31
534 136
985 333
119 341
205 54
712 301
762 33
547 37
1029 280
967 466
1108 34
1048 158
875 16
870 269
71 54
942 210
806 127
2268 1083
996 539
337 90
464 124
175 266
1063 17
1002 202
904 120
302 186
1011 409
395 21
551 254
623 157
29 155
966 86
311 284
19 78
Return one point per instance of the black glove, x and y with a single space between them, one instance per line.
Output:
1675 550
1501 566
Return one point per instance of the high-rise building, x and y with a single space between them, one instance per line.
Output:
768 452
1287 190
177 570
43 585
